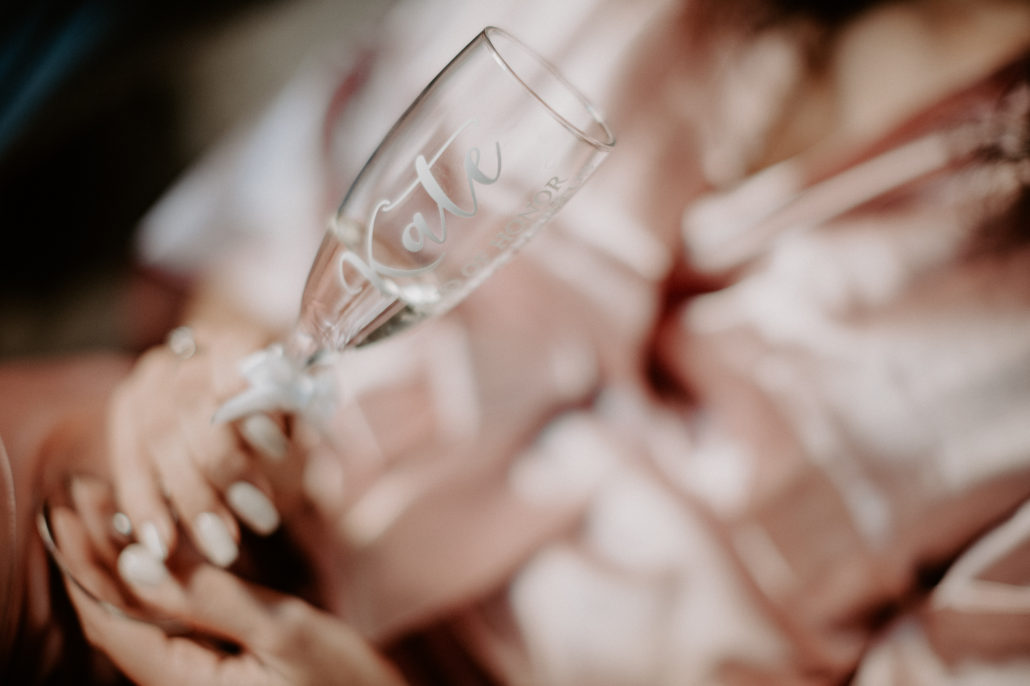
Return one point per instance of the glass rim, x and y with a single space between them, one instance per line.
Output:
583 100
170 625
9 592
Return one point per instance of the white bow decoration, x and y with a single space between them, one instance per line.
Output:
278 381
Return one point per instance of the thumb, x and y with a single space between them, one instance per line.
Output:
297 641
213 601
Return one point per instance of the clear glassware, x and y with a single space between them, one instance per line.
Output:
8 562
487 154
83 533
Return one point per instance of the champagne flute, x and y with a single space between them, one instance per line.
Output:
492 148
488 153
9 542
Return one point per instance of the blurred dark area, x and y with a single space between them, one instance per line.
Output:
99 113
87 131
88 140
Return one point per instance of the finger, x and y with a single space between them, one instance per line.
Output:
215 448
137 566
284 633
279 453
219 603
136 484
92 501
253 400
148 656
80 561
254 409
261 432
211 527
265 435
246 492
217 454
253 506
228 361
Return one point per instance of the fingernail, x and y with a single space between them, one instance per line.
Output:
253 507
121 523
214 539
138 566
150 537
265 436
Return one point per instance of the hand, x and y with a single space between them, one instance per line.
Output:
169 460
275 639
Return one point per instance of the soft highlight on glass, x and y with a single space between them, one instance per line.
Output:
489 152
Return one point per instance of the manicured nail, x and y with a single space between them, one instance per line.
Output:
253 507
265 436
214 539
150 537
121 523
138 566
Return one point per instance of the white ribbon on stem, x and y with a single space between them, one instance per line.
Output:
277 381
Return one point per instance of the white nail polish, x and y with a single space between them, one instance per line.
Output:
121 523
150 537
265 436
214 540
253 507
138 566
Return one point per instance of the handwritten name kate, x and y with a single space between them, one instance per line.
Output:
418 228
